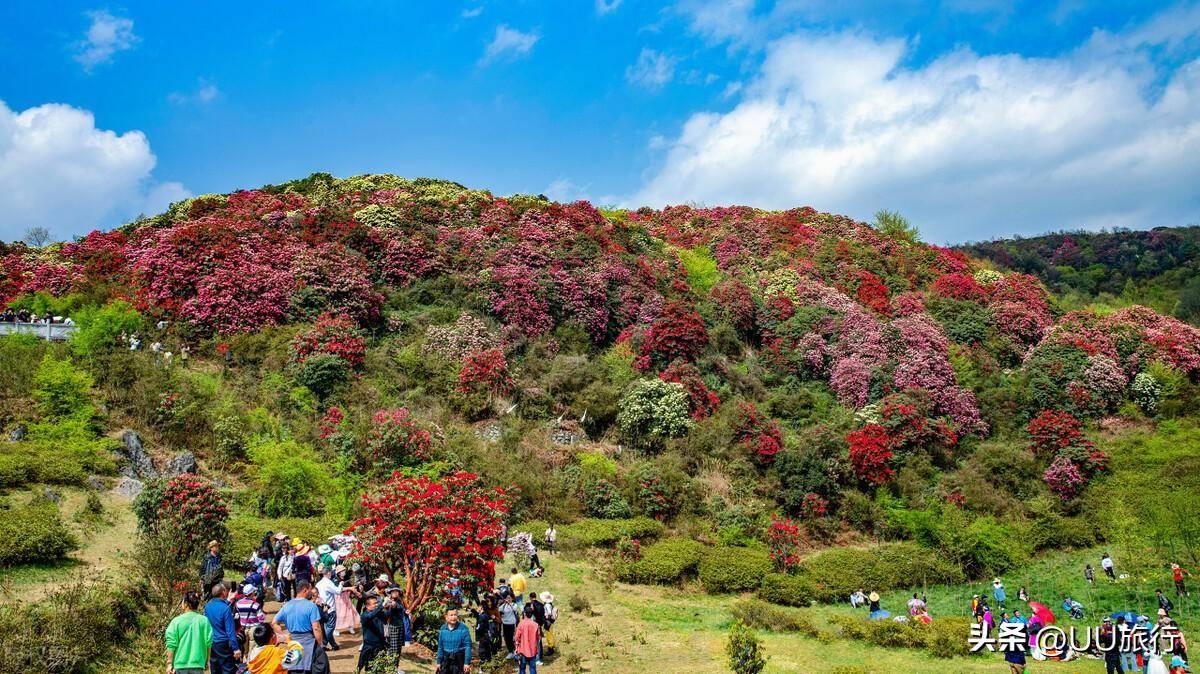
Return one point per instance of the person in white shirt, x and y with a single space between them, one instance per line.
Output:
327 593
551 538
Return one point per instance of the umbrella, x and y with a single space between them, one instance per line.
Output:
1041 611
1129 616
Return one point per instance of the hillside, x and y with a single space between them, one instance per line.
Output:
1157 268
722 400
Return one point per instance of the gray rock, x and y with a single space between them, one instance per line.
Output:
17 434
128 487
51 495
138 464
95 483
184 462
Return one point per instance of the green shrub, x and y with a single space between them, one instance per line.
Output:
733 569
761 615
321 373
588 533
663 563
69 631
652 411
786 589
744 650
834 573
288 479
100 328
63 391
943 638
246 531
34 533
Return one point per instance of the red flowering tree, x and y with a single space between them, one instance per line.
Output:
677 334
813 506
870 454
873 294
485 370
959 287
335 335
757 432
186 507
1051 431
735 302
428 531
701 401
783 541
398 439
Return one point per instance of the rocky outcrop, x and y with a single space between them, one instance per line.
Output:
128 487
184 462
138 464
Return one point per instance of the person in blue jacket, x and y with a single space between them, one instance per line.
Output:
454 645
998 593
226 651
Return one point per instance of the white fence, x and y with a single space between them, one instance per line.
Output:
55 332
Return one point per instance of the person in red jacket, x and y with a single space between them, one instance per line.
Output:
526 640
1177 573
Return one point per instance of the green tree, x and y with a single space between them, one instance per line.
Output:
895 226
744 649
62 391
100 328
1188 306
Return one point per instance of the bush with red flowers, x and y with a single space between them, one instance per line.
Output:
397 439
1052 431
756 432
701 401
783 541
734 300
428 531
188 507
335 335
678 333
629 549
485 371
871 454
813 506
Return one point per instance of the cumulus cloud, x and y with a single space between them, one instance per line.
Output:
652 70
508 43
57 170
605 6
967 146
105 37
471 12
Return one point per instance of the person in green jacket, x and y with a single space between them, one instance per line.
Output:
189 636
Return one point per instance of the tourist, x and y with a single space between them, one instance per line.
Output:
1109 642
358 578
184 353
285 577
998 593
1073 608
248 611
551 538
1015 657
518 584
551 613
1164 604
226 651
1128 658
539 615
1089 574
373 631
189 637
535 564
399 622
325 556
510 615
487 631
877 612
1106 563
857 598
302 620
212 568
327 594
1177 574
453 645
347 614
915 605
528 643
302 565
1022 595
268 656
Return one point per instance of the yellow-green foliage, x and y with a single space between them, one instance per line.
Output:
944 637
733 569
701 268
33 533
588 533
289 479
663 563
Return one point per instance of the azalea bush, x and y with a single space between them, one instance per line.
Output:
398 439
189 507
333 335
485 371
653 411
783 541
428 531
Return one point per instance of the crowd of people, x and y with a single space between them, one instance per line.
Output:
323 597
26 316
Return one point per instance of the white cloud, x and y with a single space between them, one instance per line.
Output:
605 6
566 191
966 146
105 37
205 92
652 70
57 170
720 21
471 12
508 43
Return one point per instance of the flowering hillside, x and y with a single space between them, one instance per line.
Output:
813 356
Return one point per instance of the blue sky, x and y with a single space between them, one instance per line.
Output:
975 118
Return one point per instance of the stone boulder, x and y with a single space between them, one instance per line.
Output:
18 433
128 487
184 462
138 464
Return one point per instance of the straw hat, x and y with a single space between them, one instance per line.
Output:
997 582
213 543
546 597
874 596
383 577
304 549
296 542
281 536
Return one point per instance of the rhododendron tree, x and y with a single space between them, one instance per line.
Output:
813 506
335 335
398 439
959 287
735 302
485 371
783 542
186 507
701 401
677 334
653 411
757 433
1064 478
629 549
429 531
871 454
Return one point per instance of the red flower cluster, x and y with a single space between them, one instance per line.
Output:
485 370
1052 431
192 508
397 439
701 401
330 423
959 287
813 506
757 432
783 541
334 335
678 333
870 454
428 531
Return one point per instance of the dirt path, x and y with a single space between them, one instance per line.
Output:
345 659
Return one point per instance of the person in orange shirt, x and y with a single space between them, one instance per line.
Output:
269 656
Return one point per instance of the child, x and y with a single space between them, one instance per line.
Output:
269 656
